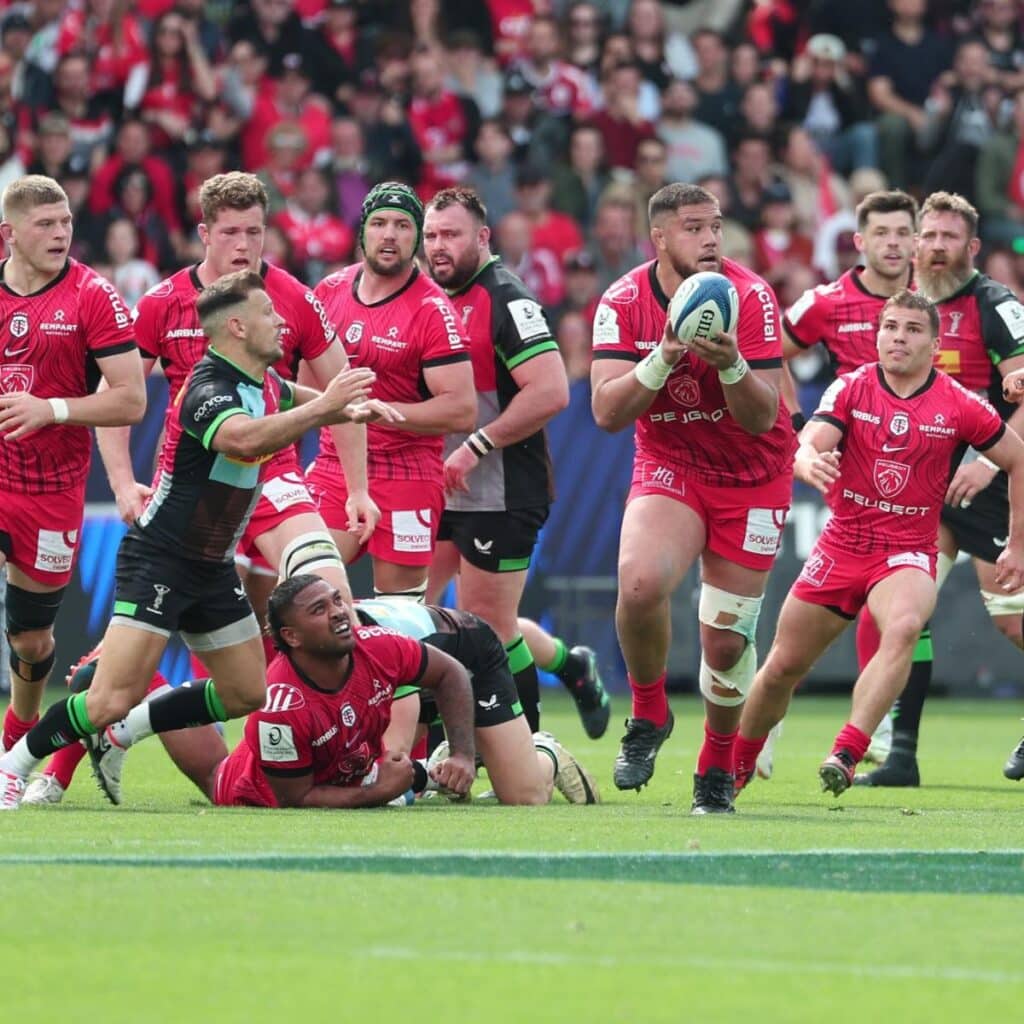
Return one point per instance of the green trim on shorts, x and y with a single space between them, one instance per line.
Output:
513 564
128 608
405 691
517 709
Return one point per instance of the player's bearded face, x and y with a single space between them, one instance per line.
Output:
389 243
42 237
888 241
692 239
451 247
234 240
944 259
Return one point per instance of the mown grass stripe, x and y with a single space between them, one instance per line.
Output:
906 871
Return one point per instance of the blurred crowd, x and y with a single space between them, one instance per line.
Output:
565 116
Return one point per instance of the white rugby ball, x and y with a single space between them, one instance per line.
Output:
703 305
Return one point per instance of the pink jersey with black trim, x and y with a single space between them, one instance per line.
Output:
843 316
688 425
399 338
50 342
898 456
335 736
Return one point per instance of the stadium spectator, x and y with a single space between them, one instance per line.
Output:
759 109
582 288
92 127
205 157
538 136
131 275
745 65
694 148
751 173
616 241
286 149
1001 266
998 28
493 176
575 343
737 241
718 98
243 79
11 166
687 17
539 268
15 35
52 146
907 60
550 230
779 246
471 74
169 91
348 167
660 55
275 27
208 31
390 147
817 191
823 99
134 199
999 181
650 175
620 120
41 53
584 23
578 185
318 237
562 90
510 25
342 52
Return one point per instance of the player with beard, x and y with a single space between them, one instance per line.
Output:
498 480
981 341
396 321
843 316
879 547
712 480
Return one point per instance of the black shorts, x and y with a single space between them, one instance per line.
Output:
205 601
494 541
472 643
983 527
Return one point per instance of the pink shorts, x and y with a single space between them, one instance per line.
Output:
841 581
41 532
283 497
410 512
743 524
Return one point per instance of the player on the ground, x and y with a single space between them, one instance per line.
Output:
63 326
395 320
712 480
522 768
498 479
285 527
175 568
981 341
881 447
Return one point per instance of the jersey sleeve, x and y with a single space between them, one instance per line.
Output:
281 741
285 390
106 322
439 333
403 658
316 332
1002 321
804 321
148 318
521 330
206 406
759 331
982 427
614 333
834 405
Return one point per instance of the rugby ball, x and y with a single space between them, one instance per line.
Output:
703 305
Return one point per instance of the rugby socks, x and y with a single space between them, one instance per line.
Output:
716 750
14 728
63 764
853 741
524 671
193 703
744 757
650 700
868 638
63 724
906 713
568 667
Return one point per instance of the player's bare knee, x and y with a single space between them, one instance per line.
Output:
902 630
723 648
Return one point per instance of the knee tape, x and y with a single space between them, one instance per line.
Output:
417 593
943 566
28 611
721 610
739 678
36 669
1003 604
312 551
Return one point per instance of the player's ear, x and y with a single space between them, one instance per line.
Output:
974 247
484 237
204 233
6 230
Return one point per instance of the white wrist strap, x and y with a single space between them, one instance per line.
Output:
60 410
736 372
988 463
652 371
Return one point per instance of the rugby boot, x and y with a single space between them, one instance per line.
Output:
898 771
713 792
836 772
589 694
634 764
1014 767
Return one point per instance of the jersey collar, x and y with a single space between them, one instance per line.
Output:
659 292
864 289
39 291
220 355
905 398
319 689
193 274
469 283
357 277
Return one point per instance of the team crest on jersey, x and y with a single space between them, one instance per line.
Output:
623 292
348 715
899 424
891 477
19 325
684 390
954 322
158 291
354 333
16 378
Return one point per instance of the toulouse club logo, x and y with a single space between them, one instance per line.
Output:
19 325
354 333
684 390
891 477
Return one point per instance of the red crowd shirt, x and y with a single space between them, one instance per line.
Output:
110 59
688 426
335 735
322 237
898 456
399 338
436 124
49 345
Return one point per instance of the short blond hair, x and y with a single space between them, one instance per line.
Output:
234 190
952 202
28 192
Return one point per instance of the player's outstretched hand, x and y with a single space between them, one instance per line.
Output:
819 470
1013 386
363 515
349 387
1010 569
455 773
672 349
394 774
457 468
721 351
132 500
22 413
373 410
967 482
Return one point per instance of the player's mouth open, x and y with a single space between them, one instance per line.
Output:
342 628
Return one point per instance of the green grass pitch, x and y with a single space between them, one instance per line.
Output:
902 906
